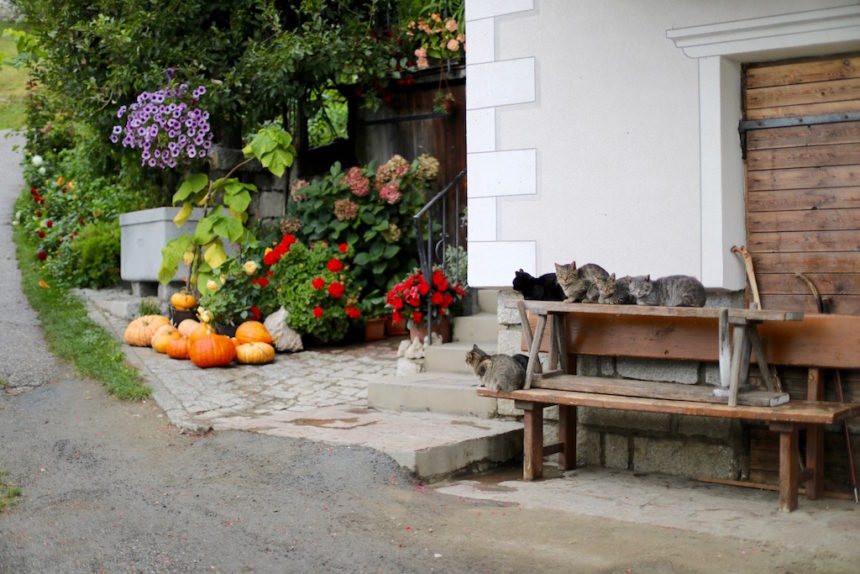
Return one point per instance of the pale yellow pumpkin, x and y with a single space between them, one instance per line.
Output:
140 331
160 338
187 326
255 353
252 331
183 301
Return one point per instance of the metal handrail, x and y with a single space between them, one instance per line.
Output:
427 248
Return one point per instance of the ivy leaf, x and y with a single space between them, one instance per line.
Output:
214 254
183 214
192 184
171 255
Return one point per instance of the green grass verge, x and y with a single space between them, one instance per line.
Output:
8 493
71 334
13 85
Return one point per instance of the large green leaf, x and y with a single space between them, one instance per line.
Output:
230 228
361 258
203 233
192 184
376 251
277 161
237 199
171 255
214 254
391 251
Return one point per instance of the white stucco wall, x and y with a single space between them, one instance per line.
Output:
584 135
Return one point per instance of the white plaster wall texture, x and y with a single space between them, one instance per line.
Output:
614 123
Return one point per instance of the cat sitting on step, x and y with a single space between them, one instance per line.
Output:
579 285
612 291
498 372
671 291
543 288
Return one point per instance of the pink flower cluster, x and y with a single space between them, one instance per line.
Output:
345 209
358 184
390 192
390 170
294 190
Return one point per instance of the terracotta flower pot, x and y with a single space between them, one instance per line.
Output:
374 329
393 329
442 327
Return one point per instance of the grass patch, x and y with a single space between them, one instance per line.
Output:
71 334
8 493
13 85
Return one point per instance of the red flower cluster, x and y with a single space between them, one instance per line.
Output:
273 256
334 265
408 298
352 312
261 281
336 290
318 283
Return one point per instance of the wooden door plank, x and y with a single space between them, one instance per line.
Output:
835 176
797 199
802 136
827 283
795 157
842 304
810 241
804 110
827 341
806 220
838 90
841 262
760 76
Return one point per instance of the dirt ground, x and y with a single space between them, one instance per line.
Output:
111 487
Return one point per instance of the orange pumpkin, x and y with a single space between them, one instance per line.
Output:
235 342
182 301
140 331
163 337
212 351
160 331
187 326
177 348
251 332
255 353
200 331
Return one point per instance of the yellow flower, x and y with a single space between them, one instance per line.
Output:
211 285
223 279
250 267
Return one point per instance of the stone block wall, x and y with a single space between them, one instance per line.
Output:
268 205
642 442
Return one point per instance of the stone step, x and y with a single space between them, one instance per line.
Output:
480 327
451 357
488 300
449 393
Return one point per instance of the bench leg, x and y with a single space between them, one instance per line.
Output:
789 466
567 437
532 440
815 440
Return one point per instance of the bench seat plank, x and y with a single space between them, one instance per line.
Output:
805 412
654 390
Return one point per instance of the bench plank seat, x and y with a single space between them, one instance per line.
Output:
654 389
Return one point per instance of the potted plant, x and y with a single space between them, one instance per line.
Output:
240 292
439 40
415 297
375 312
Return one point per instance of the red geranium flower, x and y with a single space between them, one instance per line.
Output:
447 299
423 287
318 312
343 247
436 298
271 258
416 316
49 224
439 280
38 213
396 317
334 265
352 312
42 255
336 290
318 283
261 281
41 234
256 312
396 302
269 273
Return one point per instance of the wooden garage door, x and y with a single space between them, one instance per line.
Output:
802 146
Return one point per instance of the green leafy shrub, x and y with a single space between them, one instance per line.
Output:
149 306
95 251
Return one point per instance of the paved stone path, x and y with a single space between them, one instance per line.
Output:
198 399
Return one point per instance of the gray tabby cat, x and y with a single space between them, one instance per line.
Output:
497 372
612 291
671 291
580 284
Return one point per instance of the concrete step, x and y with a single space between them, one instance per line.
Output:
449 393
480 327
451 357
433 446
488 300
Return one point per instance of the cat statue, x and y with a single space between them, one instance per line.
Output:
612 291
543 288
497 372
670 291
579 285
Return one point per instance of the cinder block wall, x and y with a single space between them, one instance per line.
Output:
642 442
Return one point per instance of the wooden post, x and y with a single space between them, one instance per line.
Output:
532 439
789 470
725 350
814 440
534 359
567 437
738 342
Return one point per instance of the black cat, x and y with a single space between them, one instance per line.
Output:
543 288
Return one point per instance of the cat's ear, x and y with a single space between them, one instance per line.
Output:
475 348
648 277
612 277
573 265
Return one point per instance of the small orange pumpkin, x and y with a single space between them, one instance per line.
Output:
200 331
163 337
160 331
187 326
255 353
177 348
182 301
252 331
212 351
140 331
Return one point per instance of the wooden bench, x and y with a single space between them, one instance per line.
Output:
692 334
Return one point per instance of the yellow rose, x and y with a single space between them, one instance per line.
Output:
211 285
250 267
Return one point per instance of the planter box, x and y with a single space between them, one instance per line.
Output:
144 234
